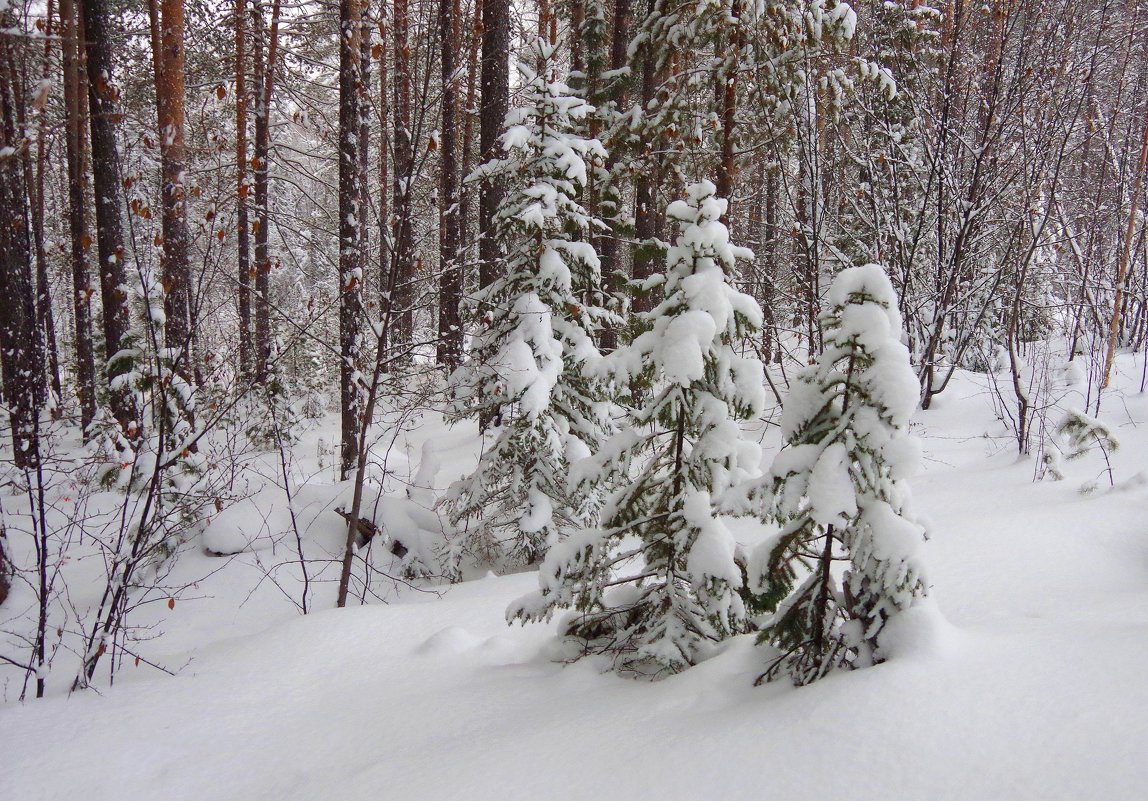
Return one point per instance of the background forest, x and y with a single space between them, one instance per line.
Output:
272 270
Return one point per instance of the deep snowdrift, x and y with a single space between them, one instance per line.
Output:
1020 679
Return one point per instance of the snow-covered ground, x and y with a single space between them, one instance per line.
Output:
1021 678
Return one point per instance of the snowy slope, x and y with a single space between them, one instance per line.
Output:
1021 680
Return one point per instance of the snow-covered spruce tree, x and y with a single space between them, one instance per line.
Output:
838 491
657 582
538 322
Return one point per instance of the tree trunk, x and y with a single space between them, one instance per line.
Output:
450 272
727 95
264 86
466 193
1125 258
613 274
21 350
646 257
384 171
103 116
495 100
402 254
364 145
350 230
242 189
168 56
74 87
45 319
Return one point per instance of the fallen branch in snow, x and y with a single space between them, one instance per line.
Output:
367 529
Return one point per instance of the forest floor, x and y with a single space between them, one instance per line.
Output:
1020 678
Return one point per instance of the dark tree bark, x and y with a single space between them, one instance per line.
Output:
242 189
727 98
350 229
264 87
76 141
769 266
21 348
45 318
466 193
402 244
495 100
364 142
646 210
450 272
384 113
577 18
607 245
5 569
103 103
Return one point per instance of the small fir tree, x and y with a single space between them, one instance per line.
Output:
658 582
838 491
538 323
1079 434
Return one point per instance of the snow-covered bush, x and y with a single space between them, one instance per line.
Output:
657 581
838 491
538 327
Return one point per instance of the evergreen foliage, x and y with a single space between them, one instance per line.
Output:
538 322
838 491
658 582
1081 432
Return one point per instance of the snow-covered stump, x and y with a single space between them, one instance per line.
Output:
839 494
656 606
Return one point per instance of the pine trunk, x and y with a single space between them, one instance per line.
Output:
45 318
264 86
75 141
613 275
168 55
646 257
450 272
103 116
727 97
402 255
384 192
350 230
242 188
21 352
495 81
466 193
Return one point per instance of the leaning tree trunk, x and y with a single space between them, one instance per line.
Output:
103 114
